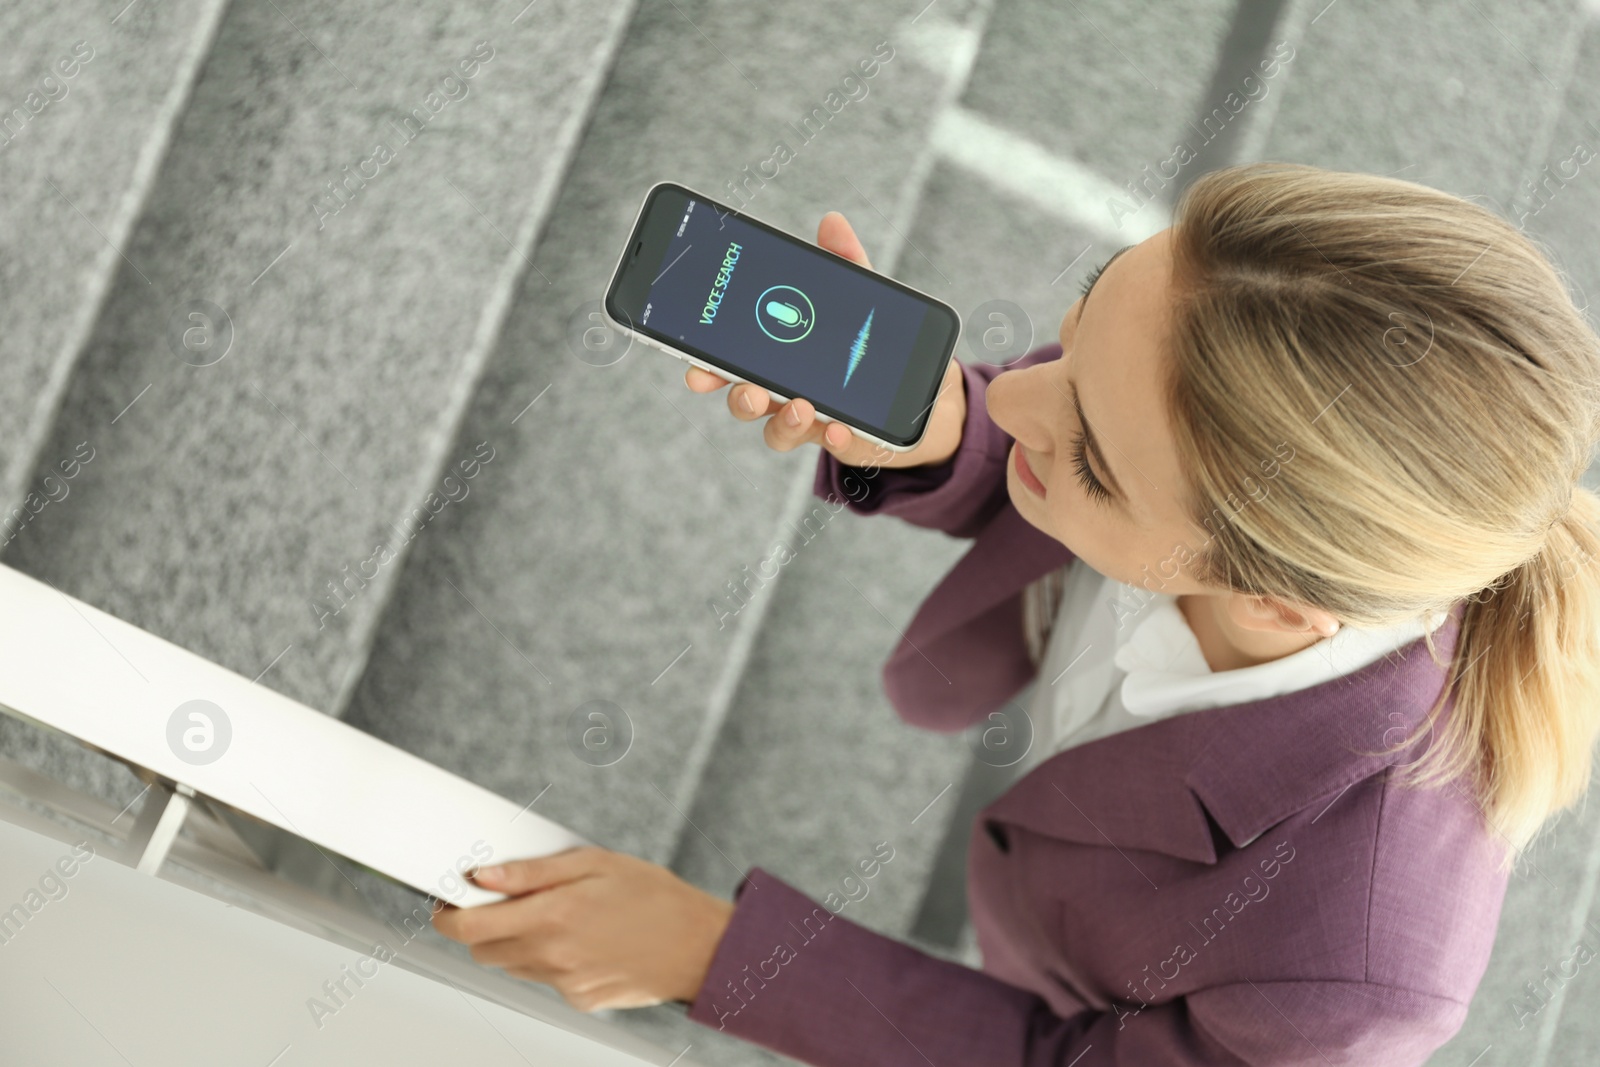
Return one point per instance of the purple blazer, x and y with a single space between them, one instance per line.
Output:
1235 885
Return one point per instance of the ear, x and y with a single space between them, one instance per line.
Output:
1276 615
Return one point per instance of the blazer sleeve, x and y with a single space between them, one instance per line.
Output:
958 496
797 978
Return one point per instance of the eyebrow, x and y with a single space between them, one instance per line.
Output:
1089 437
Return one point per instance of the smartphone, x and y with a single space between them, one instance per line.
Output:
742 299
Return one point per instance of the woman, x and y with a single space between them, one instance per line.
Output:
1288 528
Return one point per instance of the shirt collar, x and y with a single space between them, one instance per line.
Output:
1167 673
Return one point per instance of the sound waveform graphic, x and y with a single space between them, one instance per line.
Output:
859 347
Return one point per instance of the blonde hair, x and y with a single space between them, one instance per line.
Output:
1440 394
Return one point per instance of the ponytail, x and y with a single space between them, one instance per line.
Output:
1526 681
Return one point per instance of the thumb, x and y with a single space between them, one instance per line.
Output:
835 234
516 877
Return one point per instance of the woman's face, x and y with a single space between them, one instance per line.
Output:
1111 342
1122 516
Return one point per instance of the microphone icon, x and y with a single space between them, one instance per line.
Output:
785 313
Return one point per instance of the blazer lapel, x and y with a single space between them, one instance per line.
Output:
1243 768
1126 791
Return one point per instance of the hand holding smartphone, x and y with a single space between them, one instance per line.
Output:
794 423
815 330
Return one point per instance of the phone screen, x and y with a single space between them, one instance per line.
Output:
787 315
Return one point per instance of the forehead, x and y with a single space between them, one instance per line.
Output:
1117 364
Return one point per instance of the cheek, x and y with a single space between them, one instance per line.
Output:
1072 520
1100 537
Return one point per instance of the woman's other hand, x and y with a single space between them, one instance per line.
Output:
606 929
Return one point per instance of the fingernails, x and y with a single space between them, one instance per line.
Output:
792 415
489 874
745 401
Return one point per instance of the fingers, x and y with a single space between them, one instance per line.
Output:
748 401
521 955
487 922
835 234
703 381
530 875
795 423
745 401
791 426
837 438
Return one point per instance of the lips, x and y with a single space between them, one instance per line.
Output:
1025 473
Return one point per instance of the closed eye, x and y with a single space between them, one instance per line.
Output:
1086 477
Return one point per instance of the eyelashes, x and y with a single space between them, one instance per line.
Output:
1080 464
1094 276
1080 445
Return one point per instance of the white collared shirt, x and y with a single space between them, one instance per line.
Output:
1120 657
